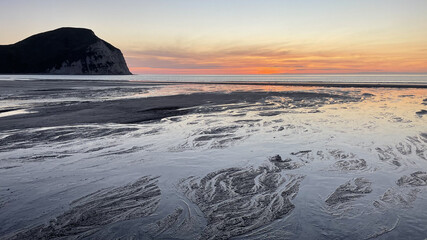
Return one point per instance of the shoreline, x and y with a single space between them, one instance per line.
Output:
302 84
360 81
247 83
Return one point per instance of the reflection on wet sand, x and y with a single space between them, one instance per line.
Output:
234 161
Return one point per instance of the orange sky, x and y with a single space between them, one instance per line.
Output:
240 36
271 59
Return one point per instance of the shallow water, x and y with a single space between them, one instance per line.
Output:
352 165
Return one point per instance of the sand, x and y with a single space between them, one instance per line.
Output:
132 160
107 206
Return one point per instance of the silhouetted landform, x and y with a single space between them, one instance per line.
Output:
62 51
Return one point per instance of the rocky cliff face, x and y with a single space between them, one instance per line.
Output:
62 51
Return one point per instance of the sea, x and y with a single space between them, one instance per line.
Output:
317 78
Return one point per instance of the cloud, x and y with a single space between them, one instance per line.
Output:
155 62
267 58
216 52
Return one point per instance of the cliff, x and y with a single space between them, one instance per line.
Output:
62 51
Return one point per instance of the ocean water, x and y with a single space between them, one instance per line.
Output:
326 78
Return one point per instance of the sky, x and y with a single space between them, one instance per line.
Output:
240 36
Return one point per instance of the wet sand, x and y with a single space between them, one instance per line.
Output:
131 160
128 111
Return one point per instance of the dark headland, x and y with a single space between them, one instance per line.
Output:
62 51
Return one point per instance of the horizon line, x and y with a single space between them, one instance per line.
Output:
279 74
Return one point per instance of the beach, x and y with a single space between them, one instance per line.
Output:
110 159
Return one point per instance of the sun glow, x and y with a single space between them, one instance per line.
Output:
242 37
279 61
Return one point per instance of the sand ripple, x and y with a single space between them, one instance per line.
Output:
350 190
238 200
90 213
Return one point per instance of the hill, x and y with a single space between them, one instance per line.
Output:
62 51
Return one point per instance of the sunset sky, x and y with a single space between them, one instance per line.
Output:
240 36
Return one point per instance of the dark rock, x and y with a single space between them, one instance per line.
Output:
283 163
276 158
